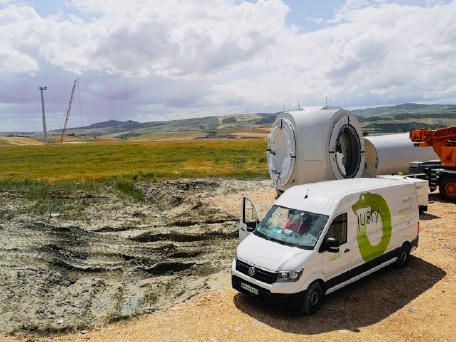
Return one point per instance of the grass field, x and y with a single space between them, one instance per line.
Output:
37 173
243 159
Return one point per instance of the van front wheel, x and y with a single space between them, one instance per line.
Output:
312 299
403 257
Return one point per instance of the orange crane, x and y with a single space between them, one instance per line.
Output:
443 172
67 117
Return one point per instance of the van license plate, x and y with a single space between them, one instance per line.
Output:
249 288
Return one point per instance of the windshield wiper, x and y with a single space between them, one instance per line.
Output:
286 243
283 242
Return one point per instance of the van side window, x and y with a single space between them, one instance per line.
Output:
338 229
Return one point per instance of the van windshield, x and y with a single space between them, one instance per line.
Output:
292 227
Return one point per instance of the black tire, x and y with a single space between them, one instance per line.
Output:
312 299
403 257
447 188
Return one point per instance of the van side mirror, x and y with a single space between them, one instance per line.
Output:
332 245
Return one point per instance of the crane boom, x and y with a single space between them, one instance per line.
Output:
67 117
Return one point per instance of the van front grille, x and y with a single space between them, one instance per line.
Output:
260 274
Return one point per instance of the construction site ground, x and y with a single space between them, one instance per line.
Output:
160 271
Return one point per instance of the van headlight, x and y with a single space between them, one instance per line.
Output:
289 275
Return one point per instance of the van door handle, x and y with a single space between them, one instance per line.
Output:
347 250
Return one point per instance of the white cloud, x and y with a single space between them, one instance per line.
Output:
375 55
173 38
170 57
12 61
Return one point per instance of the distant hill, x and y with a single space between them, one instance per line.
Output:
407 108
240 125
379 120
15 133
111 123
406 117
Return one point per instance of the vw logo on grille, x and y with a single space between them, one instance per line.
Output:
251 271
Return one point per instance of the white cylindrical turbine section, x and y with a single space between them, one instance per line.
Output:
390 154
281 151
313 144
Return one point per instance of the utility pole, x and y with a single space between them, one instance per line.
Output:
44 116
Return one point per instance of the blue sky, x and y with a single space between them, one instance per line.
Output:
302 11
160 60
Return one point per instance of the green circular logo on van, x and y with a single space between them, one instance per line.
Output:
369 209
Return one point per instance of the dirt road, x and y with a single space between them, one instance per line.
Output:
416 303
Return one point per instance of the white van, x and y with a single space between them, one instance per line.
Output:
319 237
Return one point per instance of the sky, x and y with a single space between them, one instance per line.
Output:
150 60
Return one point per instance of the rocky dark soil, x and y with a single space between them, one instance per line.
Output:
115 258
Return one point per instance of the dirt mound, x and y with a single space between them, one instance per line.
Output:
115 258
162 197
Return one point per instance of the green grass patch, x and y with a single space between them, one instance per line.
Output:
64 197
55 197
84 171
128 188
134 161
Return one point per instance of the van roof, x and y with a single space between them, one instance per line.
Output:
320 197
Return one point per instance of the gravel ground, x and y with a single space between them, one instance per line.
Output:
416 303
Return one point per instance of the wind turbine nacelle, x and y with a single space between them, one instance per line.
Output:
315 144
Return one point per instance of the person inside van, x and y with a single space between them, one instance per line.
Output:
292 226
295 223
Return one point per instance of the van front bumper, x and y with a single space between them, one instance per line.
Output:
288 300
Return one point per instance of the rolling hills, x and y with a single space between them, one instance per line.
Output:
379 120
406 117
